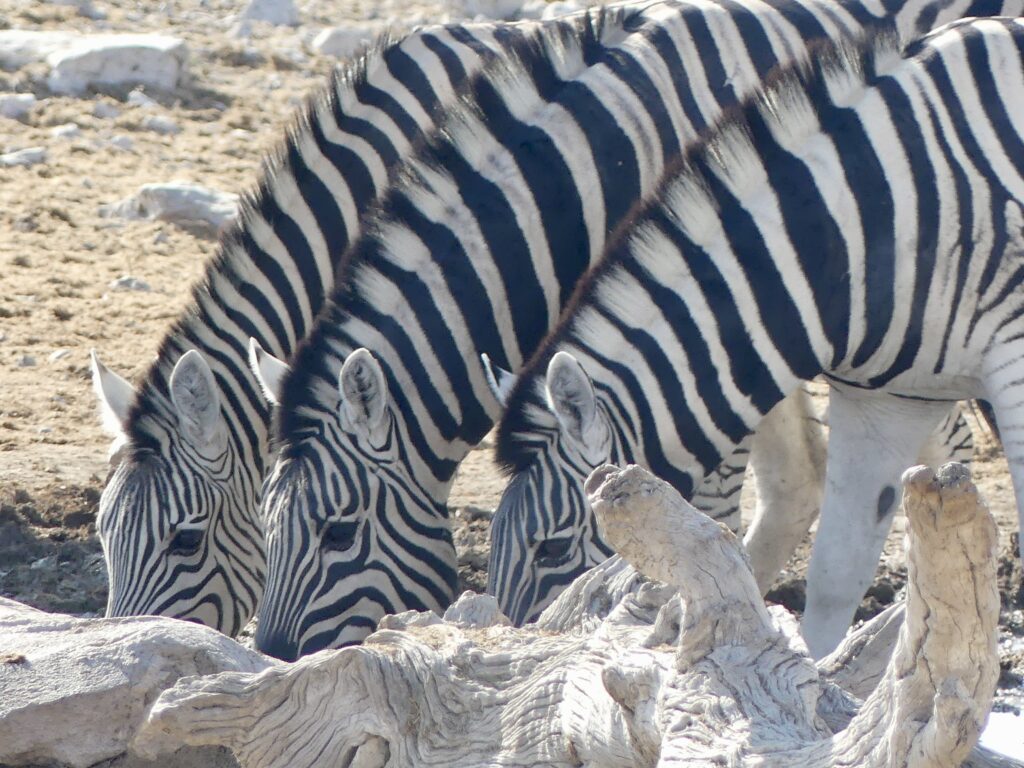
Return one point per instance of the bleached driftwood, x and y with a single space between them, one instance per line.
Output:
623 672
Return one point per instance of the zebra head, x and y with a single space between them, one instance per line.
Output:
351 535
175 523
544 534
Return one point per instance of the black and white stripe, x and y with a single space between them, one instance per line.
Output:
862 218
179 516
476 248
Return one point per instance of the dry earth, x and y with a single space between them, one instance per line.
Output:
58 257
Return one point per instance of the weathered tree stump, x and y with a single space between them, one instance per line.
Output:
620 671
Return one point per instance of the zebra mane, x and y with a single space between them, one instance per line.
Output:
311 387
838 71
232 264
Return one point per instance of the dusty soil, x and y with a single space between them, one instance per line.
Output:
59 255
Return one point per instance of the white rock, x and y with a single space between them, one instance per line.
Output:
66 131
533 9
58 354
19 47
73 690
278 12
122 142
159 61
180 203
139 98
129 283
26 157
489 9
161 124
561 8
345 42
15 105
104 110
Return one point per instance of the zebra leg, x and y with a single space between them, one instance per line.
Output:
718 496
788 457
873 438
1004 382
951 441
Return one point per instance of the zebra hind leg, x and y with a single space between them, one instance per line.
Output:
788 457
952 440
718 496
873 438
1004 381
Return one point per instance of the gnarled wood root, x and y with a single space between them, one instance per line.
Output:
620 671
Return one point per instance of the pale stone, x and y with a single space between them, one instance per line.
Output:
27 156
180 203
345 42
122 142
162 125
129 283
66 131
488 9
139 98
561 8
277 12
157 61
16 105
104 110
19 47
72 691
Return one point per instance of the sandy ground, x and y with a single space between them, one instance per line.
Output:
59 255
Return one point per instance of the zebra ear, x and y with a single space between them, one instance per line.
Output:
364 392
499 380
115 394
194 394
268 370
571 395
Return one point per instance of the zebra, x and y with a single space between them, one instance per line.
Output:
861 218
178 518
476 247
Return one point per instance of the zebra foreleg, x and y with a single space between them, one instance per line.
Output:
873 438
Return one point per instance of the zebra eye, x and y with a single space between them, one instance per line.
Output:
553 551
186 542
340 536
